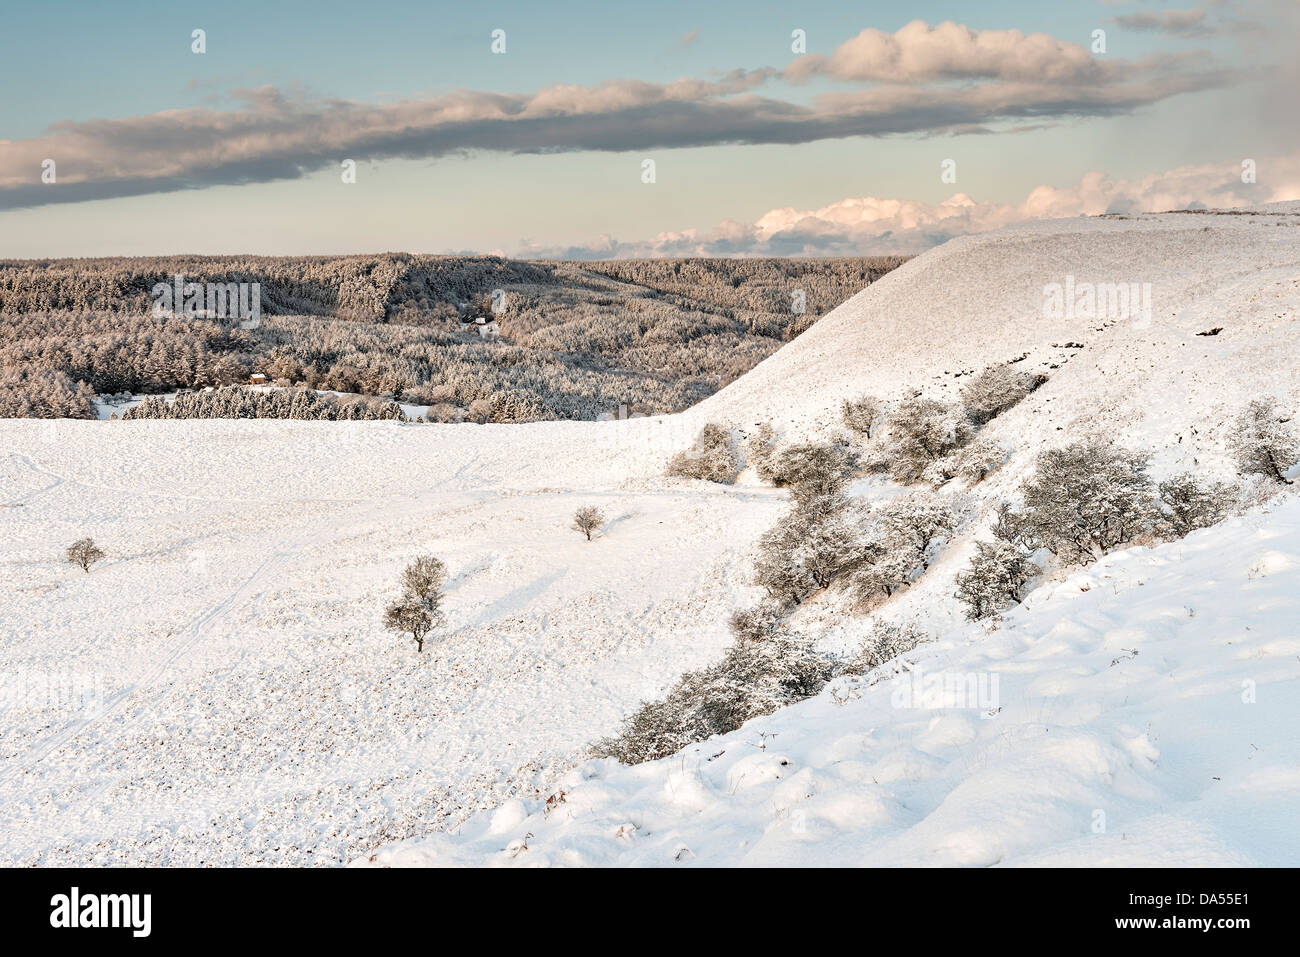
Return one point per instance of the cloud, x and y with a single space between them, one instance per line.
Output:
270 135
948 51
1253 17
1178 23
869 225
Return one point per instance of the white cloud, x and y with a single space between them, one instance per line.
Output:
870 225
919 52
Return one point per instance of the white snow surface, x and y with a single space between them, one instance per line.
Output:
219 690
1141 712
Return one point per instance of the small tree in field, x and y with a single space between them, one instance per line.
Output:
419 609
84 553
587 520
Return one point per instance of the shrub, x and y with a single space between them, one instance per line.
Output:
814 468
885 642
881 577
419 608
922 431
83 552
587 520
760 451
997 389
1190 504
753 679
1083 500
811 544
913 525
997 573
861 415
711 458
1264 442
757 623
979 460
974 463
896 549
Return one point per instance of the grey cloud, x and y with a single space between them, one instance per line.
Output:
272 136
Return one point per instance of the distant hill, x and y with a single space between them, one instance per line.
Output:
573 340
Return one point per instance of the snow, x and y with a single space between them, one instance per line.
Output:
219 690
252 709
1143 714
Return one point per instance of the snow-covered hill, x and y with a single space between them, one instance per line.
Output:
219 689
1139 713
979 299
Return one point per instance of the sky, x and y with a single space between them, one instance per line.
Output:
589 130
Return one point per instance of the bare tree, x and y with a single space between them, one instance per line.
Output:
1191 504
419 609
1264 441
587 520
861 414
83 552
997 573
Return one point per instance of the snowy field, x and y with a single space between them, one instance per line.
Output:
219 690
253 711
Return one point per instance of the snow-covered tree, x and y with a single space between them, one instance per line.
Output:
922 431
711 458
997 389
1190 504
862 414
814 468
811 544
753 678
84 553
757 623
419 608
1083 500
1265 442
997 573
587 520
886 642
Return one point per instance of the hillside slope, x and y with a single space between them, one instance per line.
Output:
1138 713
979 300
